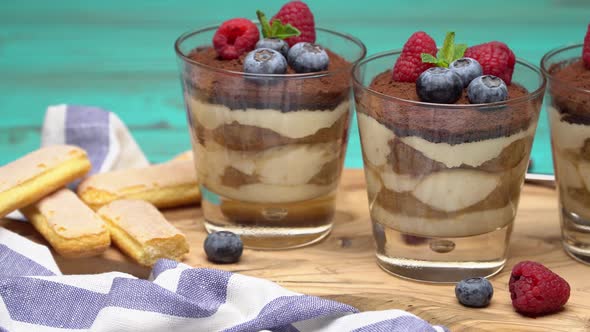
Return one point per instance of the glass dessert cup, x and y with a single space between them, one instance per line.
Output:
568 109
269 149
444 180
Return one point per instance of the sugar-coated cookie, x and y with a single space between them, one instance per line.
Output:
71 227
164 185
142 232
39 173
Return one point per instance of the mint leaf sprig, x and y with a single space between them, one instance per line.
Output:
277 29
447 54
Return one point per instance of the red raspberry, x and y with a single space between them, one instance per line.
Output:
298 15
235 37
495 58
409 65
586 51
535 290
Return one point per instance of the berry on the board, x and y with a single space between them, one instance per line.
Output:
275 34
487 89
439 85
409 65
265 61
467 69
535 290
298 15
495 58
223 247
307 58
235 37
586 50
474 292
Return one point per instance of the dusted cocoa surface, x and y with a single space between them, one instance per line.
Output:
572 103
237 92
240 137
435 124
384 84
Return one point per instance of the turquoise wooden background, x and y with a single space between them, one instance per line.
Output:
119 55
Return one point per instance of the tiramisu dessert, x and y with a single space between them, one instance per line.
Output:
446 137
569 117
269 116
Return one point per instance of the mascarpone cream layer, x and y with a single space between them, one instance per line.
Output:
283 172
296 124
568 140
375 138
467 224
565 135
448 191
272 193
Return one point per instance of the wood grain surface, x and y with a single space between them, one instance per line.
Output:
343 268
118 54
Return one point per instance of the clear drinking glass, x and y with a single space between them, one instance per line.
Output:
269 148
568 109
444 180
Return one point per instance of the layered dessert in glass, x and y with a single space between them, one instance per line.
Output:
568 71
446 141
269 125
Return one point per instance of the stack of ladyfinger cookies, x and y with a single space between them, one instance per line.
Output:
121 205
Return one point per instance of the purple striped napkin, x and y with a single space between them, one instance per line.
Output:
35 296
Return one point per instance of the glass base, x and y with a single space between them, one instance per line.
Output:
270 226
575 233
441 260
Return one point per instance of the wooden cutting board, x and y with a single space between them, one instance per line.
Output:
343 268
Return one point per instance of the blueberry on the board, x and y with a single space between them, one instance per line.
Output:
276 44
474 292
265 61
439 85
223 247
487 89
467 69
307 58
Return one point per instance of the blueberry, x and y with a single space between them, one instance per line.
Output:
223 247
487 89
276 44
474 292
294 52
439 85
265 61
307 58
467 69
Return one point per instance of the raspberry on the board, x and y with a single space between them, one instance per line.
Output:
535 290
298 14
235 37
409 65
496 58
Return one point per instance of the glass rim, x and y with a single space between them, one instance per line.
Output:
545 60
529 96
194 32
